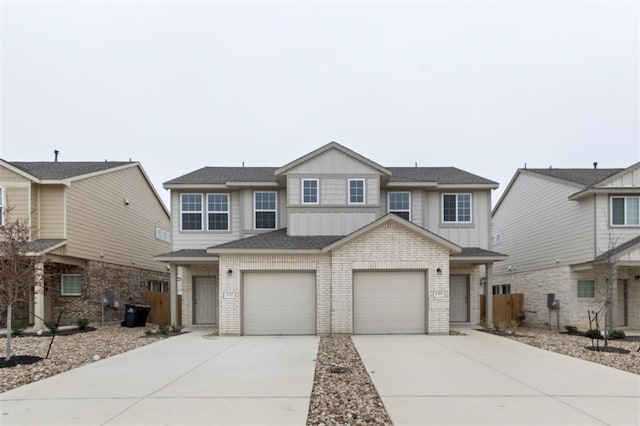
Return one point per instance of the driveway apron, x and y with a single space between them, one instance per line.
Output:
481 379
192 379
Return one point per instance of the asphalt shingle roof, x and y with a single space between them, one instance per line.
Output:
38 246
221 175
187 253
51 170
279 240
476 252
586 177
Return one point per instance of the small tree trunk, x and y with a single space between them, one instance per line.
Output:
7 355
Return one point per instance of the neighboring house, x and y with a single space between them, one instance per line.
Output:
330 243
97 226
561 229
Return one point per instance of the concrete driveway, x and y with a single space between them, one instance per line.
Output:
190 379
480 379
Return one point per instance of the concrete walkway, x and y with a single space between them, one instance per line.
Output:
480 379
191 379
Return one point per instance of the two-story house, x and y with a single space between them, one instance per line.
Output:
97 226
562 230
331 242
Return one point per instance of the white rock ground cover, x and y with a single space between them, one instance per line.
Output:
339 396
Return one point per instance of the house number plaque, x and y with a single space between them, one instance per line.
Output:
229 295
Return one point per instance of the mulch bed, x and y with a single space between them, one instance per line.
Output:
19 360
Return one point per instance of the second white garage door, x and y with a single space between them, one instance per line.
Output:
279 303
389 302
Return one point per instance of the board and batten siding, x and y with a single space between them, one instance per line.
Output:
539 225
309 222
204 239
102 227
608 236
51 211
474 234
332 161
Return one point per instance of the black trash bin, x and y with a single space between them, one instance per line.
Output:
135 315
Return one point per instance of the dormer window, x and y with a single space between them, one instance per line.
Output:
310 191
265 210
625 211
356 191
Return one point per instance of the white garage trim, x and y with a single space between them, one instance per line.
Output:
386 302
279 303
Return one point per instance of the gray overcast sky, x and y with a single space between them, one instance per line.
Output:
481 85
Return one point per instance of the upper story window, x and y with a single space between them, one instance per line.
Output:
163 235
356 191
625 211
400 204
310 191
496 238
218 212
191 212
265 210
456 208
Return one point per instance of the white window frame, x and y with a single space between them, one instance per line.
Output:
192 212
317 181
389 210
578 289
256 210
62 292
457 195
496 239
364 191
228 211
626 220
163 235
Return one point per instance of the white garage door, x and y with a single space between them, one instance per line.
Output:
279 303
389 302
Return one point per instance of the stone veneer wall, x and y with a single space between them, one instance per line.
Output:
563 282
230 315
390 247
128 285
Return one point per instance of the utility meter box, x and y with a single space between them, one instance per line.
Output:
551 300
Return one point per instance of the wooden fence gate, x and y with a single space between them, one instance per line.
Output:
506 307
160 304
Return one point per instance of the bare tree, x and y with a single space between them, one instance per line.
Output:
19 268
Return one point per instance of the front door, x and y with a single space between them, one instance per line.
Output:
458 298
204 300
621 306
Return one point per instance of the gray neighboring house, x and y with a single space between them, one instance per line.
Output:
331 242
560 228
97 226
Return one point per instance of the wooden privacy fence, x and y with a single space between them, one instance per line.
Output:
506 307
160 304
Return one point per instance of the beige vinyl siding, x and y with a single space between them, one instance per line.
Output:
17 202
203 239
35 210
539 225
52 211
333 221
333 161
608 236
102 227
334 189
474 234
7 175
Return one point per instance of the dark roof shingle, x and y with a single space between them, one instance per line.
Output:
585 177
279 240
441 175
221 175
51 170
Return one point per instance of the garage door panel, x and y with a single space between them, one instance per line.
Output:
389 302
279 303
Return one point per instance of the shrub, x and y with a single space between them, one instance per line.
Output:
52 326
593 333
571 329
164 329
617 335
18 326
148 332
175 328
83 323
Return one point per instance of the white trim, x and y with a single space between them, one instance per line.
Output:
228 211
191 211
389 202
275 210
62 292
364 191
457 194
317 181
626 224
